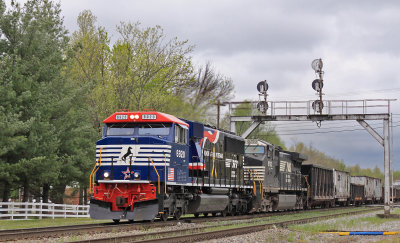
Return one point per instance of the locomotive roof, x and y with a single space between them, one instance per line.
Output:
143 116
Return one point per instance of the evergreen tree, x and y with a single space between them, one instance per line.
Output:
40 106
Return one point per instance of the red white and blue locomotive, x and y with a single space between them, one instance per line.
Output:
151 164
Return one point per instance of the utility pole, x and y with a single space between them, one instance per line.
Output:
219 104
218 112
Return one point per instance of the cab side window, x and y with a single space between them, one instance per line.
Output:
180 135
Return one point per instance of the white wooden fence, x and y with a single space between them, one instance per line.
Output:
26 210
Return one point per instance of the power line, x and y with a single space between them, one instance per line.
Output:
348 130
356 125
311 124
358 93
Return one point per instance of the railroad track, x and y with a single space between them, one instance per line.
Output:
207 233
60 231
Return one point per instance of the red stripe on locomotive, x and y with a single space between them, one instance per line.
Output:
143 116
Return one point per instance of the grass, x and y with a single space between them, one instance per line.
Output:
343 224
396 211
33 223
291 236
279 218
221 225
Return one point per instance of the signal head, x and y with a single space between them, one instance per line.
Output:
262 106
317 65
262 86
317 85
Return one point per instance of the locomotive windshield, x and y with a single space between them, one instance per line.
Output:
144 129
120 129
255 150
155 129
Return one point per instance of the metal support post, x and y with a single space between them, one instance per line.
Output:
386 164
252 127
233 126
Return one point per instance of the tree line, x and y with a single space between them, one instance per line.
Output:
317 157
57 87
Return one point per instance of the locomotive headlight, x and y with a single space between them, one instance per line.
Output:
136 175
106 175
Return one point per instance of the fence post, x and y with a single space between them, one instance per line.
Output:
41 209
52 211
12 210
26 210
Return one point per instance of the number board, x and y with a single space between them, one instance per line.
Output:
121 117
149 117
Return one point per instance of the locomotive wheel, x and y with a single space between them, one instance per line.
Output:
196 215
164 216
223 213
214 214
151 220
205 214
130 221
177 214
116 221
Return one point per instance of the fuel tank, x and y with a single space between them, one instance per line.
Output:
207 203
283 201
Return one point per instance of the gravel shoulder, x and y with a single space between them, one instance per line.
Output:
310 232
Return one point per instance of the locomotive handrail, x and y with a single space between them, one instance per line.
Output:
261 183
98 167
165 174
254 183
157 174
91 177
214 168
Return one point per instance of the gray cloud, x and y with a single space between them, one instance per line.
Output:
276 40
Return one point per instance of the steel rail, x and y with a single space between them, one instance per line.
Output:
54 231
202 233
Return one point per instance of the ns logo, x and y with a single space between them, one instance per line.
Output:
180 153
126 155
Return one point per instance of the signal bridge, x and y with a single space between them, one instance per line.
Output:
328 110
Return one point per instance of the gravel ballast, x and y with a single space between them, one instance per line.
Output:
287 235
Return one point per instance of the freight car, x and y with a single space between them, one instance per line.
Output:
371 191
341 181
377 190
319 180
356 194
394 193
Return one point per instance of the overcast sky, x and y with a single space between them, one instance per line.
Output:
250 41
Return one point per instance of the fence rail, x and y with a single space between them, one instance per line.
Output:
26 210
